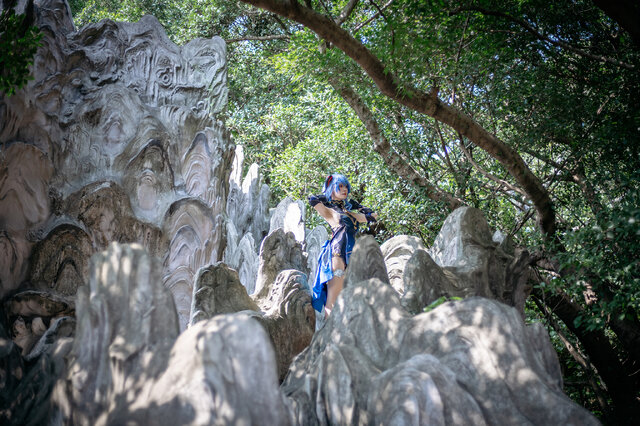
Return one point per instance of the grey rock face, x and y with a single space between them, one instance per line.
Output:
366 262
415 276
288 316
216 375
438 367
126 325
60 261
248 201
247 220
116 127
219 291
289 215
285 311
465 248
314 240
242 256
279 251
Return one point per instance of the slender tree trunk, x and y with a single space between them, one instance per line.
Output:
602 354
577 356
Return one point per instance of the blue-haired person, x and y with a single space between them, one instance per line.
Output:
344 216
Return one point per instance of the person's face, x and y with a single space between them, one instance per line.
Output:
341 193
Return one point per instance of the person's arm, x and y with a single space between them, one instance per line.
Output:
364 215
319 202
364 218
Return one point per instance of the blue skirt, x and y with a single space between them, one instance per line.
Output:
341 244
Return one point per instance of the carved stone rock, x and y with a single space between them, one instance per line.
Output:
221 371
219 291
289 215
126 325
375 363
242 256
314 240
366 262
196 242
279 251
248 201
38 303
465 248
289 317
60 261
286 312
415 276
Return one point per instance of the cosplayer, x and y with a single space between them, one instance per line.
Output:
344 216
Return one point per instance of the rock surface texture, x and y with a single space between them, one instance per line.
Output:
121 195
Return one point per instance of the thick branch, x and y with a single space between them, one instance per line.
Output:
419 101
396 161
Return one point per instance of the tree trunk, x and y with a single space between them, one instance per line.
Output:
601 353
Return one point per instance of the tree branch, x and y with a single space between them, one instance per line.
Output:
381 145
486 174
425 103
375 16
346 12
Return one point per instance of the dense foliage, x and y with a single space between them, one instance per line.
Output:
555 81
19 42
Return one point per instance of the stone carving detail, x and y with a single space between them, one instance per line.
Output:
25 173
61 260
116 126
279 251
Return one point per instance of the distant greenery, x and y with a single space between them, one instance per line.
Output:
556 81
18 44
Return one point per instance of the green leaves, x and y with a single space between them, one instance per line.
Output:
19 42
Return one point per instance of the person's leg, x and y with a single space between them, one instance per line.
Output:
334 286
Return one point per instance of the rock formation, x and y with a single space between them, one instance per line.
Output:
120 195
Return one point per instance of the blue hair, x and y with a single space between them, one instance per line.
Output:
332 184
